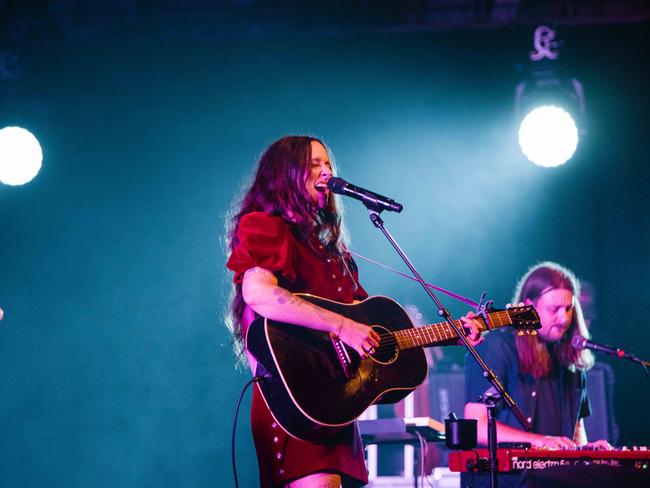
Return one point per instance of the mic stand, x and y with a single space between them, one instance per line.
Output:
619 353
626 355
491 400
377 221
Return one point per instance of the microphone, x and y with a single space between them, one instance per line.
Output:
370 199
578 342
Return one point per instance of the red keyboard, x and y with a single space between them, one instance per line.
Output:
536 459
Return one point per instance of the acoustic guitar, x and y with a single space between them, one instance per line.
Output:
315 385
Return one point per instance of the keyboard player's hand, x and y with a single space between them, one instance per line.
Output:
599 445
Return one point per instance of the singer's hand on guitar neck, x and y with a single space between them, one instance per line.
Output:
262 293
472 325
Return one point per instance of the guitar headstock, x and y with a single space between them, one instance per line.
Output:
524 318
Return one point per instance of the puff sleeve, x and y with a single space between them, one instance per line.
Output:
265 241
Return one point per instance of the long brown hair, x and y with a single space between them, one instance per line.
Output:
278 188
534 358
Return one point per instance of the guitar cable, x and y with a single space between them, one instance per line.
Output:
255 379
422 454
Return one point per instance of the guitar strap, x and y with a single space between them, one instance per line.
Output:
465 300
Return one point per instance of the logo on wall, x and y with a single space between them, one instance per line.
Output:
545 44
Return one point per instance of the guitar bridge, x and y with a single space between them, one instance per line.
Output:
342 355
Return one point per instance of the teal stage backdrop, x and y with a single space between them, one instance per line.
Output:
115 366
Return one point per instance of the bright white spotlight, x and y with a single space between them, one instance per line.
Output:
548 136
20 156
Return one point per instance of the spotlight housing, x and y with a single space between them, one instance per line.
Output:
549 106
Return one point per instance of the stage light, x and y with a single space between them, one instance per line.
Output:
548 136
20 156
549 105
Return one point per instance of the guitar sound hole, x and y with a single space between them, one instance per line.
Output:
387 351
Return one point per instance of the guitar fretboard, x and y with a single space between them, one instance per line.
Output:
429 335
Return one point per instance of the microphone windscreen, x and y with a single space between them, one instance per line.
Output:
336 184
578 342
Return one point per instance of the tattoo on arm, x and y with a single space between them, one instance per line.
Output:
279 296
284 297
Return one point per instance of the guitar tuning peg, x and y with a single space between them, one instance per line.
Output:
521 332
533 332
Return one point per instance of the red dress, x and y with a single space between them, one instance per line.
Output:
270 243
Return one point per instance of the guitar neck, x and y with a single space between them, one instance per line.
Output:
434 334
